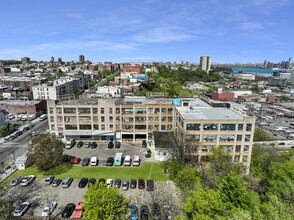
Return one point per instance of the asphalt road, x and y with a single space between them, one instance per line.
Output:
10 150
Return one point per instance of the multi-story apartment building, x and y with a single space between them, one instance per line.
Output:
55 91
205 62
136 118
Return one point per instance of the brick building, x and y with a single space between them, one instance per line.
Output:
223 96
23 107
138 69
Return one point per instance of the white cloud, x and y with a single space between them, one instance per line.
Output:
72 15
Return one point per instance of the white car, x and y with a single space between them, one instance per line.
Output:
27 180
48 210
109 183
20 210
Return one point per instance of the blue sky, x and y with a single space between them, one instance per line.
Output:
245 31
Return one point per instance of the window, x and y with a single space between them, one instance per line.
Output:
150 110
237 158
51 118
209 137
150 118
245 158
95 118
110 110
102 110
239 137
85 119
240 127
51 110
210 127
59 119
127 119
185 103
170 119
150 127
95 110
192 137
70 119
248 127
169 127
52 127
226 137
227 127
117 110
127 127
71 127
127 111
140 127
193 127
163 119
60 127
157 110
103 127
96 127
156 119
111 127
117 119
163 127
110 119
84 110
140 118
156 127
58 110
85 127
163 110
246 148
140 110
238 148
69 110
170 111
247 137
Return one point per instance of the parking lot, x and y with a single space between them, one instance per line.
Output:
103 152
38 195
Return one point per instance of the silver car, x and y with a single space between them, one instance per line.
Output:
125 185
49 180
27 180
16 181
20 210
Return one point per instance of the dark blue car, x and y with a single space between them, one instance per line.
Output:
134 212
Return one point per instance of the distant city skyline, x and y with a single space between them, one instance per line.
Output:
153 30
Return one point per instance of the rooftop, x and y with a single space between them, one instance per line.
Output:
19 102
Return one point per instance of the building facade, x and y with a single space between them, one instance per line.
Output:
4 118
205 62
82 59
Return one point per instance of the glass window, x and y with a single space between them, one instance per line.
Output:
85 119
95 110
51 110
192 137
226 137
246 148
209 137
156 127
69 110
110 119
140 127
193 127
170 111
52 127
110 110
245 158
117 119
248 127
58 110
95 118
102 110
170 119
117 110
163 110
150 127
59 119
103 127
169 127
85 127
239 137
127 118
157 110
150 110
60 127
140 110
127 111
96 127
140 118
163 119
51 118
102 119
240 127
84 110
70 119
71 127
127 127
210 127
163 127
238 148
150 118
247 137
227 127
111 127
237 158
156 119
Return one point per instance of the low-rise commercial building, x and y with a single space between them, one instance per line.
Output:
16 107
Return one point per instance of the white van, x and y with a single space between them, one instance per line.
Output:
127 161
18 118
24 118
43 117
32 117
94 161
136 161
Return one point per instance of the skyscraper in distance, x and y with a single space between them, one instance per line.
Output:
205 62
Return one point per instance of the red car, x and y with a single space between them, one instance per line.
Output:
141 184
77 160
78 212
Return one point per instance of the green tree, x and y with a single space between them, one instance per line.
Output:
3 131
105 72
91 83
80 72
60 73
46 151
255 88
187 178
104 203
261 135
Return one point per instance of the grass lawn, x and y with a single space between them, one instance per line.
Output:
78 172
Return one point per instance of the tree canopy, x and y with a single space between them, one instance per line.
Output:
3 131
261 135
105 72
46 151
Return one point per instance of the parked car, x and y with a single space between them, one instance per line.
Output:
20 210
117 144
117 183
48 210
80 144
156 214
127 160
133 184
68 210
141 184
110 144
102 181
18 133
71 143
144 212
85 161
87 144
136 161
91 182
78 212
56 182
109 161
25 129
93 145
27 180
109 183
77 160
150 185
83 182
125 185
134 212
94 161
66 182
16 181
49 180
34 133
144 144
11 137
